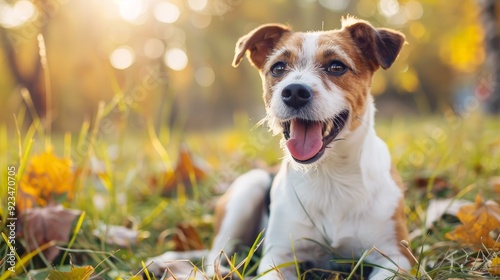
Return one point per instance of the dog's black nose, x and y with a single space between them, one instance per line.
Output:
296 95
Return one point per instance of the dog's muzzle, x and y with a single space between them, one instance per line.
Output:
307 140
296 95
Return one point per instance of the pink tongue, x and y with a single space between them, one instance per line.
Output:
305 139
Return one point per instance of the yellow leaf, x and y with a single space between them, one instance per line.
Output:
478 220
76 273
46 176
495 267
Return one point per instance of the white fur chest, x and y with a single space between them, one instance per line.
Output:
347 206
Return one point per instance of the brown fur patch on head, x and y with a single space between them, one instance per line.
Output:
358 45
380 46
287 51
355 83
375 47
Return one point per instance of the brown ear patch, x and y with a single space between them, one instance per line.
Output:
379 45
259 42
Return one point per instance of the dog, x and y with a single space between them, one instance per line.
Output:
336 187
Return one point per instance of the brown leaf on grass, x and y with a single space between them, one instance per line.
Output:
495 184
439 186
188 171
186 238
76 273
479 220
42 225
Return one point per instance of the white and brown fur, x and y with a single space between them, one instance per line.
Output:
348 197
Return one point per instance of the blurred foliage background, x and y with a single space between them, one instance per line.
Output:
170 60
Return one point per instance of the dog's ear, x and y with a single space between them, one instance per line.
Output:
259 42
380 45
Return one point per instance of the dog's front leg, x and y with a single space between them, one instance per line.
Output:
386 268
287 247
287 240
239 214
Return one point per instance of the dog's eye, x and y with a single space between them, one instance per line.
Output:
336 68
278 69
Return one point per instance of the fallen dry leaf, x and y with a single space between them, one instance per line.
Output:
42 225
186 238
440 187
478 220
76 273
187 172
495 184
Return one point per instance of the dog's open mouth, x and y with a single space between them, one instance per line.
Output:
307 140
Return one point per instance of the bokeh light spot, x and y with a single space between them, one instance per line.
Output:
167 12
153 48
366 8
122 57
335 5
388 8
176 59
24 10
205 76
197 5
16 15
409 81
130 10
414 10
417 30
201 20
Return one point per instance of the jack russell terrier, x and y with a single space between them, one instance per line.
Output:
336 187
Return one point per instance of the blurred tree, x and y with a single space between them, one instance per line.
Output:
172 58
489 10
20 46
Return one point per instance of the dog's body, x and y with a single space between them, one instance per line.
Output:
336 187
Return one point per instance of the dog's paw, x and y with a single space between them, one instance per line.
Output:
175 263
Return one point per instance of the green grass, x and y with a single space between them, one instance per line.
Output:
461 153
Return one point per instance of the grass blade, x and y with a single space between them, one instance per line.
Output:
255 246
73 238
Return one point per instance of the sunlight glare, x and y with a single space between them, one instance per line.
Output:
17 15
176 59
122 57
197 5
130 10
167 12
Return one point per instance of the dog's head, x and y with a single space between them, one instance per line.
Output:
316 84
